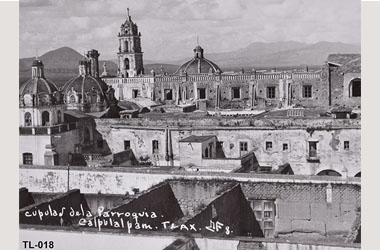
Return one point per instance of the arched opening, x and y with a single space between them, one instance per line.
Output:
329 172
72 99
45 118
206 153
355 88
27 158
86 135
126 63
59 117
126 48
27 119
359 174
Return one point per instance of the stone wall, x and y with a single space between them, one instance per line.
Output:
122 180
330 147
232 210
306 209
36 144
303 206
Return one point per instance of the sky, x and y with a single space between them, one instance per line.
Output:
170 28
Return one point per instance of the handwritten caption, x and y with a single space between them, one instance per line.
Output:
142 220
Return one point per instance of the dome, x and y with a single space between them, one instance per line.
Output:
86 93
83 84
38 90
37 86
198 64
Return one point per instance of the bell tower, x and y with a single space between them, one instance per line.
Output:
130 56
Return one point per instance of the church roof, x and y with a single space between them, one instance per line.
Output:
38 86
86 83
198 64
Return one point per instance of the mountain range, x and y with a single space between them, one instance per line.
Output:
62 64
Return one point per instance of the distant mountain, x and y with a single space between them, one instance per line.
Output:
60 65
167 68
278 54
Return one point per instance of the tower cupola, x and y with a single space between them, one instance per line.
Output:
37 68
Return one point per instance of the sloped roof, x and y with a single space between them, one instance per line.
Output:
348 62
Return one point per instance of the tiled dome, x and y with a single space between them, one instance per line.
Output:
198 64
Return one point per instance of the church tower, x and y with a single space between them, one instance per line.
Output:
130 56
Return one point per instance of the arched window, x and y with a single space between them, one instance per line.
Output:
45 118
27 158
126 49
86 135
72 99
206 153
28 119
59 117
355 88
329 173
126 63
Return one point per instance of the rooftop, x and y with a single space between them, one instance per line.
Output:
195 138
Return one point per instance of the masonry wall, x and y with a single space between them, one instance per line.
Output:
227 83
36 144
233 211
340 81
305 209
301 209
330 146
303 206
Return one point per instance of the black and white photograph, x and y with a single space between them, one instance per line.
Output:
189 124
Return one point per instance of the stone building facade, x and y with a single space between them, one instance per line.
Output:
338 83
310 147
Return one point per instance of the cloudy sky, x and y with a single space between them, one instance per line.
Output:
170 28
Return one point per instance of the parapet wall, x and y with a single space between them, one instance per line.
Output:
307 206
215 122
55 179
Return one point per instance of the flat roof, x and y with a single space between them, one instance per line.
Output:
197 138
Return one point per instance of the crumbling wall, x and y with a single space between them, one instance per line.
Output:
330 148
309 209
